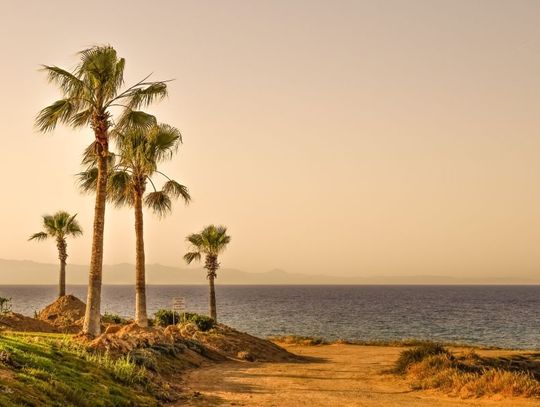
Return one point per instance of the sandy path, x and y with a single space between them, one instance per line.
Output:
337 375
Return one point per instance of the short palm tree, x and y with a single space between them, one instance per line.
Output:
90 94
210 242
59 226
140 152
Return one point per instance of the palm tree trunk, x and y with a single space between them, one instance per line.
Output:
141 316
62 255
92 317
213 311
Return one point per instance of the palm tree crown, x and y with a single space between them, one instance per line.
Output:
92 88
140 152
60 225
211 241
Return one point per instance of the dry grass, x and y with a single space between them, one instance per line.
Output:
298 340
468 375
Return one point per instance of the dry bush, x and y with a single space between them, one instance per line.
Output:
468 376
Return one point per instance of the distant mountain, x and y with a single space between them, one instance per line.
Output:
29 272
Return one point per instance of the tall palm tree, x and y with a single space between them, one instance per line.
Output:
211 241
140 152
90 94
59 226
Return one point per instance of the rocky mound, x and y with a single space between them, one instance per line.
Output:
12 321
66 313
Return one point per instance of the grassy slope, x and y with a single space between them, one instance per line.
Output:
49 370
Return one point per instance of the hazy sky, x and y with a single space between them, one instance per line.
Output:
336 137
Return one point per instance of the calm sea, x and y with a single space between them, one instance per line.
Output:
507 316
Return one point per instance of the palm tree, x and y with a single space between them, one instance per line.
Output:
211 241
90 93
140 152
59 226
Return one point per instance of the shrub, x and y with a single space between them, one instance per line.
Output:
203 322
113 319
417 354
166 317
5 305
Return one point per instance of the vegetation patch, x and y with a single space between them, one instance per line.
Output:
203 322
165 317
469 375
419 353
298 340
52 370
109 318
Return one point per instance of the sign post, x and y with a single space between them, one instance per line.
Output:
178 305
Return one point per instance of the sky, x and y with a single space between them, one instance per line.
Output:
353 138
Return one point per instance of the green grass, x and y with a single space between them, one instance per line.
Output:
52 370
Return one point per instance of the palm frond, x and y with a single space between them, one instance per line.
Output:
49 225
191 256
144 96
39 236
81 118
120 188
135 119
195 239
176 190
87 180
165 140
66 81
119 73
159 202
60 111
73 228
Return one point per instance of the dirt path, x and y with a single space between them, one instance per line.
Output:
337 375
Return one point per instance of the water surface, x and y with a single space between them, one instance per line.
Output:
506 316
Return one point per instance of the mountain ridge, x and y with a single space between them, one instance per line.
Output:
29 272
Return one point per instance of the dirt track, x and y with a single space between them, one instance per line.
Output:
336 375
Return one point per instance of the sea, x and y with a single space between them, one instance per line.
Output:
503 316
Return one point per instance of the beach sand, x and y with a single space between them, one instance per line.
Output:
335 375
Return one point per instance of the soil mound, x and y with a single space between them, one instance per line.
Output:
12 321
219 343
237 345
129 337
65 313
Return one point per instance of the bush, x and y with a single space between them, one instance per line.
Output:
113 319
5 305
203 322
417 354
166 317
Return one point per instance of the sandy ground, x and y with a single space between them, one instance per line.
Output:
336 375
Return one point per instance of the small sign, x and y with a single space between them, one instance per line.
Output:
178 304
